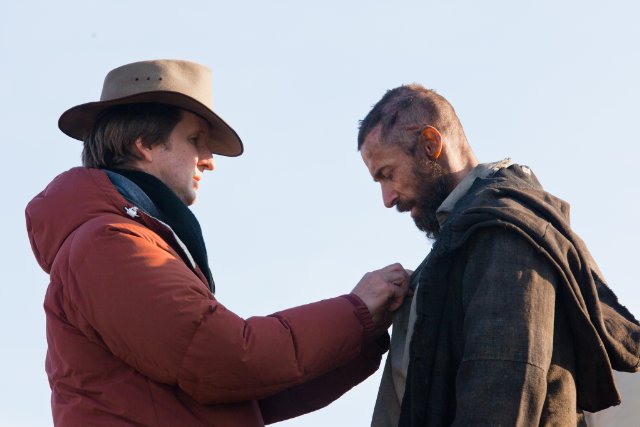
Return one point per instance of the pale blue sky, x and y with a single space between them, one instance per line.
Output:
552 84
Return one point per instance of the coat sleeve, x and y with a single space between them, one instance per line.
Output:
508 294
319 392
126 290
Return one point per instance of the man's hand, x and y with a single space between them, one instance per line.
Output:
383 292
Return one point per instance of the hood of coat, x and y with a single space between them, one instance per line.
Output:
510 195
606 334
71 199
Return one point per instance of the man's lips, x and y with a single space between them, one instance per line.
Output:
403 206
408 207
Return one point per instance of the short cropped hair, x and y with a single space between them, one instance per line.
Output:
110 142
410 106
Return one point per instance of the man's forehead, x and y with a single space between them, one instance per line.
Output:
372 142
377 154
194 118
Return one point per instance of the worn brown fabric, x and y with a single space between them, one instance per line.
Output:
515 324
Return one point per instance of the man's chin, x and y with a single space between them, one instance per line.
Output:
418 220
430 227
419 223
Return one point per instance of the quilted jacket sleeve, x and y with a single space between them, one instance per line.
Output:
318 393
128 291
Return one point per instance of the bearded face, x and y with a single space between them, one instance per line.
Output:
409 178
432 186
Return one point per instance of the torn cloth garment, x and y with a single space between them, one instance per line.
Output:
515 324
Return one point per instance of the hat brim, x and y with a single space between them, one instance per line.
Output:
78 121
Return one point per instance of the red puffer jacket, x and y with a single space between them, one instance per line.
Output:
136 337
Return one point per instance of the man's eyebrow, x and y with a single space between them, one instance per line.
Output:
378 175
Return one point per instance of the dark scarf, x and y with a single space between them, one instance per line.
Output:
176 215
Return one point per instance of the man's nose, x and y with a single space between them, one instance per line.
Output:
389 196
206 162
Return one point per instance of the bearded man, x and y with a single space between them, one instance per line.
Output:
512 323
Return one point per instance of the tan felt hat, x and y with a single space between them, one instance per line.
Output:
183 84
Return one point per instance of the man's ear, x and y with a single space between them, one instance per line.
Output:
432 142
144 152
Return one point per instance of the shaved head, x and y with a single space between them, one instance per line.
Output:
408 108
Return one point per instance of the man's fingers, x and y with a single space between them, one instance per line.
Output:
399 291
396 276
396 266
397 298
384 290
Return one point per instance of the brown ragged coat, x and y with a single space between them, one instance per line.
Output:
515 324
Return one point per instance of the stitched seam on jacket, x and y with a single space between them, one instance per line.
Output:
180 378
497 359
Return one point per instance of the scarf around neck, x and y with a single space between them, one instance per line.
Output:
175 214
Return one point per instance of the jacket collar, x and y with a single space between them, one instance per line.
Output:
483 170
133 194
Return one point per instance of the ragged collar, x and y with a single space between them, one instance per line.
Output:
483 170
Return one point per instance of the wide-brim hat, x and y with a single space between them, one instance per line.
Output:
182 84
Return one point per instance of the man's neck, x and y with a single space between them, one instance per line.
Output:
460 170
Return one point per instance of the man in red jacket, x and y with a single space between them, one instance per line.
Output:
135 334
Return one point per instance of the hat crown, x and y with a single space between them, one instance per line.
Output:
182 84
185 77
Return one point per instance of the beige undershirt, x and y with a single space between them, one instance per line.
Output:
387 409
